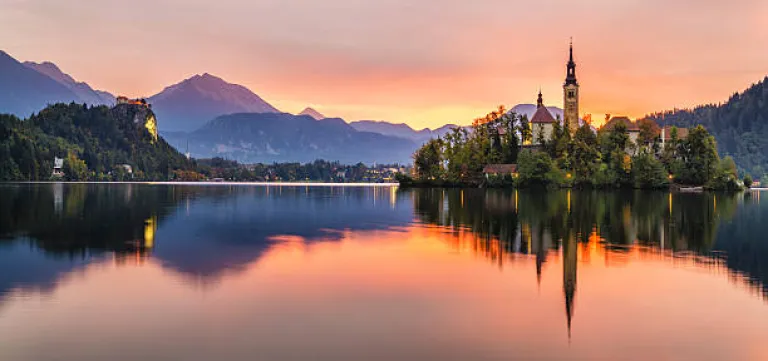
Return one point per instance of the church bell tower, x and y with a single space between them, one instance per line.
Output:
571 96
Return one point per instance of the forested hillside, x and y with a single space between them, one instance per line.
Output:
94 141
740 126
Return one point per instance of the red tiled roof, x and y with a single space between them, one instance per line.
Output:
500 169
542 116
682 133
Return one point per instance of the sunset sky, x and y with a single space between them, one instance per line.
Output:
425 63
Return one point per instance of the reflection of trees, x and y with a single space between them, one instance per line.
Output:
198 230
77 219
676 222
743 240
675 227
496 225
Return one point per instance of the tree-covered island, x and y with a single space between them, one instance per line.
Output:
504 149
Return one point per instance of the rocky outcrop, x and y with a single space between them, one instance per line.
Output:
140 115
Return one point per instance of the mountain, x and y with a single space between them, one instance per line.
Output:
188 105
94 141
282 137
740 126
312 113
24 91
400 130
84 92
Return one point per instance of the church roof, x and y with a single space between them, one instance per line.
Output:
542 116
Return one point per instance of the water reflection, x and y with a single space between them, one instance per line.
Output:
378 274
201 232
697 229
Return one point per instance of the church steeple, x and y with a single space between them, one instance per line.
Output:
571 94
540 101
570 77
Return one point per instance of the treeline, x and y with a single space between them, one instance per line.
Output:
607 158
95 143
740 126
317 171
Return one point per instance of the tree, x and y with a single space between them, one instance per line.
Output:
648 172
748 181
613 146
534 168
584 155
699 155
74 168
427 161
724 176
649 132
526 135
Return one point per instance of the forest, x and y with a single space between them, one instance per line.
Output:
95 142
739 126
607 158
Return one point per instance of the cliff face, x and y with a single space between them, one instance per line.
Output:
141 116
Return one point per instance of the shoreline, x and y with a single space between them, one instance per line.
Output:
268 184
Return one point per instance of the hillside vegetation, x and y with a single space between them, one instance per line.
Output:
95 143
739 125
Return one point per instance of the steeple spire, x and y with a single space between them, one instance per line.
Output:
570 77
540 101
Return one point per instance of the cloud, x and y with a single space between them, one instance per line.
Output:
405 60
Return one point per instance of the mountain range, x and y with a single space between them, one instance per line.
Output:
401 130
26 88
283 137
82 90
206 103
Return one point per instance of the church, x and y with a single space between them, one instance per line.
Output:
542 122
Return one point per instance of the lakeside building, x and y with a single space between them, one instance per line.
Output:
58 166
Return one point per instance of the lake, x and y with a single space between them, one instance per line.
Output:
239 272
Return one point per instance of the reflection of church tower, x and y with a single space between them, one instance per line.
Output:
569 276
571 96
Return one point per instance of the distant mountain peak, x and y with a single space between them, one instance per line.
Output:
187 105
84 91
51 70
312 113
25 90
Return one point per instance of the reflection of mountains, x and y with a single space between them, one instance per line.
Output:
47 230
234 226
695 227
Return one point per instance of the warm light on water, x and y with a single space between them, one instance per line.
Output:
202 273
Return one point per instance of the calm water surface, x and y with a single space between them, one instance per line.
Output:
162 272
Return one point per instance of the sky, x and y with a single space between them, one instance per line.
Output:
422 62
